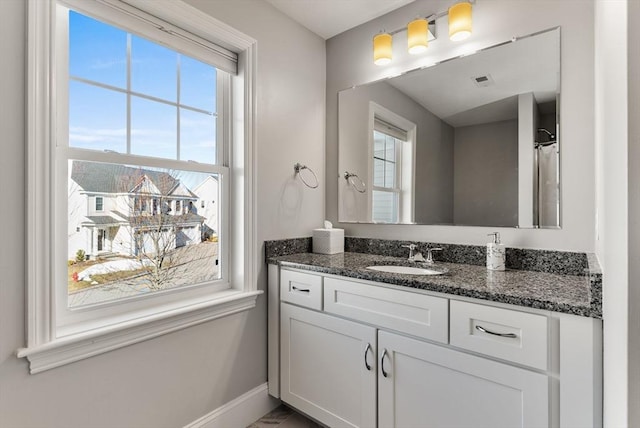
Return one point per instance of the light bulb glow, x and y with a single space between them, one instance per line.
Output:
460 21
382 49
417 36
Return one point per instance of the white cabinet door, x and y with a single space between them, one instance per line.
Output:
328 367
425 385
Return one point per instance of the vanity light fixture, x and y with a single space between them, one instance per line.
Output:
421 30
382 49
417 36
460 21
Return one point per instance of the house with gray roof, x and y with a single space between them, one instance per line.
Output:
118 209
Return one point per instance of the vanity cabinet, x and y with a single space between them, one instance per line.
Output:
422 384
328 367
355 353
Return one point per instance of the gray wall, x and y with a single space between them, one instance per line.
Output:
349 63
176 378
434 152
634 212
486 174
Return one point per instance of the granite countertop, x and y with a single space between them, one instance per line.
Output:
573 294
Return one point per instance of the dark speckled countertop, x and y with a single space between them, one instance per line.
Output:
568 293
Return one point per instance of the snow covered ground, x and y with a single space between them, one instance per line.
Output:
112 266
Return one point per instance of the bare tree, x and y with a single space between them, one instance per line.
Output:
149 217
156 226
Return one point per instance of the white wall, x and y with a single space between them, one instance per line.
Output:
173 379
291 115
617 86
349 63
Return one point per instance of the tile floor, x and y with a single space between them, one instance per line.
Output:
284 417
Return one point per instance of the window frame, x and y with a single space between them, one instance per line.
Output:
405 163
46 347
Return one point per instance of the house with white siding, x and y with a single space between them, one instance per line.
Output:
115 209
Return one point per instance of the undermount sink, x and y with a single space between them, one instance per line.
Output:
408 270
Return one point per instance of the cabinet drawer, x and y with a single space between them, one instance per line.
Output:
302 289
511 335
412 313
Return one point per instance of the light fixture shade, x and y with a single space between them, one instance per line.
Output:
417 36
460 21
382 49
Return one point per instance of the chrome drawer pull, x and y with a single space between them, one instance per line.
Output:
301 290
385 374
366 363
484 330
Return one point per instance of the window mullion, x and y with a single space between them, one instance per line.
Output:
127 159
128 93
140 95
178 102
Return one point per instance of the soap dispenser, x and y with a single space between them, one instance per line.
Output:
495 253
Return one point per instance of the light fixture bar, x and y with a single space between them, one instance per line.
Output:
431 19
418 37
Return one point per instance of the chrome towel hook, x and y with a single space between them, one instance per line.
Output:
350 176
298 167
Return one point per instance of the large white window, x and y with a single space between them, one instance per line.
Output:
141 124
391 166
138 119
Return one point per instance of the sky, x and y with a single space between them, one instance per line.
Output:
98 116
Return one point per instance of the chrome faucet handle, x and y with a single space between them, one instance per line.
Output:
411 248
430 254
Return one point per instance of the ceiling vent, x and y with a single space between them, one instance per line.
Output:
483 81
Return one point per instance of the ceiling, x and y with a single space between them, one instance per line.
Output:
449 91
328 18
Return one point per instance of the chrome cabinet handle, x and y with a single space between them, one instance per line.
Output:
385 374
302 290
484 330
366 363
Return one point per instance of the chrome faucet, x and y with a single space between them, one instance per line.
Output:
430 251
414 257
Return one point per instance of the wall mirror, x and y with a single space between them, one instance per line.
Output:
469 141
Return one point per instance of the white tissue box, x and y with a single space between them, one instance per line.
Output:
328 241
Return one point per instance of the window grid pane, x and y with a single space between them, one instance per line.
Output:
155 84
197 84
385 206
97 125
154 69
197 136
101 54
384 155
153 129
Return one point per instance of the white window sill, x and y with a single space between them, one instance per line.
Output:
79 346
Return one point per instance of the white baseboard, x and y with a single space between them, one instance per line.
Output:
240 412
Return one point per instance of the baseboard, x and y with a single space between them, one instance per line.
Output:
239 412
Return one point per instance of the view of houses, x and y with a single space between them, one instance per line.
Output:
111 207
133 213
